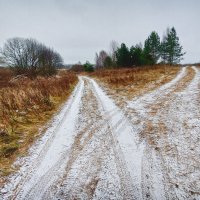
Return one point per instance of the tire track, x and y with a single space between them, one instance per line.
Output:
127 150
181 116
154 130
100 150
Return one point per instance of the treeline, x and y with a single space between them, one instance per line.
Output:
168 51
30 57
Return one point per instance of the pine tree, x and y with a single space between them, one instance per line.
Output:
108 62
137 55
123 56
152 48
163 49
171 48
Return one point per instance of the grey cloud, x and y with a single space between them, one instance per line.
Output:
79 28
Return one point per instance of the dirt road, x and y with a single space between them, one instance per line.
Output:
148 148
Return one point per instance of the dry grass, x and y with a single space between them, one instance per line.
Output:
5 76
25 106
136 81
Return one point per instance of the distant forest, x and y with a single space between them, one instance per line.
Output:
168 51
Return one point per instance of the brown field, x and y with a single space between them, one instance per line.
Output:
25 106
131 82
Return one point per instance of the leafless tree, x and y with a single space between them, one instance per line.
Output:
113 48
100 59
48 61
31 57
77 68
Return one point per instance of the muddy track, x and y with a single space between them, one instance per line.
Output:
146 149
94 145
181 115
157 135
154 117
119 125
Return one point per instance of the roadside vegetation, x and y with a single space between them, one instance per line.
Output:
25 106
32 89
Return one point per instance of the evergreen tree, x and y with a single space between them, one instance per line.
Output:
108 63
123 56
147 59
152 48
163 49
140 56
88 67
137 55
171 48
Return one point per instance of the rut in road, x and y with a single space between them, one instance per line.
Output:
179 148
96 168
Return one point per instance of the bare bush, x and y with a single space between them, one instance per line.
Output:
100 58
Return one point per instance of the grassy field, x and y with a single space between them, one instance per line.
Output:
131 82
25 107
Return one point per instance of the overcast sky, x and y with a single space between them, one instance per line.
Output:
79 28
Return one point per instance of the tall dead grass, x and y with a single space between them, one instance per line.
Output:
26 105
5 76
133 81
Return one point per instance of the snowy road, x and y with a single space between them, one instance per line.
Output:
149 148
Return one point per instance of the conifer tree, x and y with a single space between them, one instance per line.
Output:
123 56
172 51
137 55
152 47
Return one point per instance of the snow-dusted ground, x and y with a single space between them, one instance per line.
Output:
47 155
149 148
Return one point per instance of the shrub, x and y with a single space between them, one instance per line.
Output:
88 67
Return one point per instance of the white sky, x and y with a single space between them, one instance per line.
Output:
79 28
